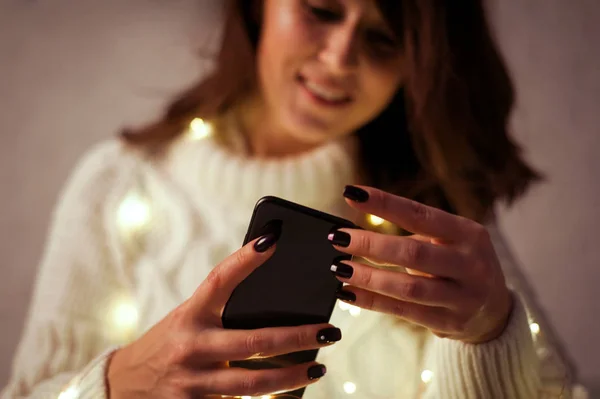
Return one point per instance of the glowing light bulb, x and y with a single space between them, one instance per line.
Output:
376 220
199 129
535 328
266 397
69 393
133 213
426 376
344 306
349 387
354 310
125 316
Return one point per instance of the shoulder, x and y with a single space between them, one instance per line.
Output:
105 163
102 168
105 160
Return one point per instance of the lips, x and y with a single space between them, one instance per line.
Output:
325 93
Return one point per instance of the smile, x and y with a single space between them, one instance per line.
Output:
325 95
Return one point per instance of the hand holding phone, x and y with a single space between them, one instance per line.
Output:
186 353
295 286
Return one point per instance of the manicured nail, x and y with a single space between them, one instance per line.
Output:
356 194
265 242
340 238
346 296
317 371
342 270
329 335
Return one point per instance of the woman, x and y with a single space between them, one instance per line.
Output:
306 97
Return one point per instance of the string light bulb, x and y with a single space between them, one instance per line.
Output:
426 376
354 310
125 316
376 220
69 393
349 387
133 213
199 129
535 328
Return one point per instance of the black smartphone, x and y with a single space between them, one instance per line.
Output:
295 286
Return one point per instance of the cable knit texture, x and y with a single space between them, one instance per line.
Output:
128 230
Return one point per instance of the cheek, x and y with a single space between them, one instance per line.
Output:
380 84
286 41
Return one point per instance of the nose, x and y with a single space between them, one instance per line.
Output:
340 52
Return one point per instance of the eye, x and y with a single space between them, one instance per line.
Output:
321 13
381 39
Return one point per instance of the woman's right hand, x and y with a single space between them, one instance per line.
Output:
186 354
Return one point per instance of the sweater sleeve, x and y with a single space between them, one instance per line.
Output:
68 333
506 367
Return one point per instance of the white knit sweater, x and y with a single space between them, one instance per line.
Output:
129 230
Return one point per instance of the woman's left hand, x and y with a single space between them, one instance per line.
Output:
454 286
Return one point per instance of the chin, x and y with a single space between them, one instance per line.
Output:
311 130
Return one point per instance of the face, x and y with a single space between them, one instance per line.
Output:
326 67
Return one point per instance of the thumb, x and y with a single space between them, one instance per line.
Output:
218 286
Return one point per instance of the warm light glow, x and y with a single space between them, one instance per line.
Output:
266 397
133 213
344 305
354 310
199 129
349 387
246 397
426 376
69 393
376 220
125 316
535 328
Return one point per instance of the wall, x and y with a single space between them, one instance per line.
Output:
552 48
72 73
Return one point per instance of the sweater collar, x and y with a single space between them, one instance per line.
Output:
234 181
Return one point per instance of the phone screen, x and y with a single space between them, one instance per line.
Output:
295 286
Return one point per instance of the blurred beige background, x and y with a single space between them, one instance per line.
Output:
72 73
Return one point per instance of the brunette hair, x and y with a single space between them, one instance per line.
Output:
443 140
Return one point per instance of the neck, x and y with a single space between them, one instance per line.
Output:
264 136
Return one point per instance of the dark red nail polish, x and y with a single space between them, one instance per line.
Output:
346 296
340 238
315 372
342 270
265 242
356 194
329 335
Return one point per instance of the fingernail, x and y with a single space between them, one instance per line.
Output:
317 371
342 270
339 238
356 194
329 335
265 242
346 296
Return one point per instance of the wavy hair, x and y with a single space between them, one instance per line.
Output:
444 138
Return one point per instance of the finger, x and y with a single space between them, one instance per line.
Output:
218 286
242 382
398 285
434 318
413 216
229 345
438 260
